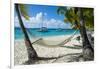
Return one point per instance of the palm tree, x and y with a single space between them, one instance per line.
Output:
32 55
20 9
87 46
80 18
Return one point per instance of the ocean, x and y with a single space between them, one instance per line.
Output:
18 34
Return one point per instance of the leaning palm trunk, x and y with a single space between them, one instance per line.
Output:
88 51
32 55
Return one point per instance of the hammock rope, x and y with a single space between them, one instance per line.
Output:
40 41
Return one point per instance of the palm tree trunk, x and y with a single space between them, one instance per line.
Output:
88 51
32 55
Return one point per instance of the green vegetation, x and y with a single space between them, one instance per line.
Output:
82 19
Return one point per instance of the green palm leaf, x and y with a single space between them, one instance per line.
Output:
23 10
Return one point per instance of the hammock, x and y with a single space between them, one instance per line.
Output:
42 42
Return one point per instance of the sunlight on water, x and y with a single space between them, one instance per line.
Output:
51 32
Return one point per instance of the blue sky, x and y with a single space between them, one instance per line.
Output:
42 15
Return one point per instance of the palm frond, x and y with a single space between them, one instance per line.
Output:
23 11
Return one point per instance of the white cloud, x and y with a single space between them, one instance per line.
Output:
39 17
35 22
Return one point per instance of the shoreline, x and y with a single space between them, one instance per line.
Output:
48 37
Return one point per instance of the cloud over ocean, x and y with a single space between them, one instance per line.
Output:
40 18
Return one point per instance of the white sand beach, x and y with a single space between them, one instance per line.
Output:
20 52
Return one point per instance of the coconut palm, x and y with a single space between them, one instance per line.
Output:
20 10
32 55
82 19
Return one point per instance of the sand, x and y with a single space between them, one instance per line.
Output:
20 52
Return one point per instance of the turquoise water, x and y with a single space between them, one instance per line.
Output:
51 32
